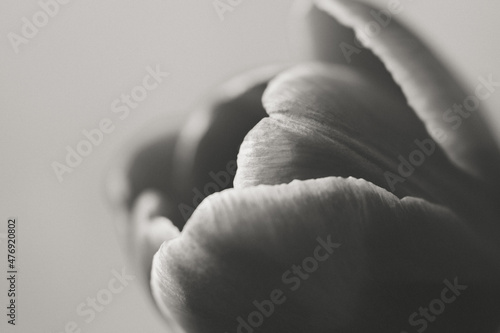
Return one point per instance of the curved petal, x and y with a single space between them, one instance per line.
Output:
143 167
430 88
331 120
207 147
181 165
316 36
332 255
169 176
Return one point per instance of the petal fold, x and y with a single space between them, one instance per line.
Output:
334 254
451 115
332 120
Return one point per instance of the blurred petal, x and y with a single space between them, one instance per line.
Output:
331 120
317 36
208 144
144 166
147 231
180 163
381 259
149 187
150 168
430 88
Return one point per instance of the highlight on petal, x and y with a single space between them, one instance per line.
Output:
324 255
430 88
208 144
332 120
214 128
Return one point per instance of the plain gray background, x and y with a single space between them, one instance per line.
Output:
64 80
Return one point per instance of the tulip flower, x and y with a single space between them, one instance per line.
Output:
357 206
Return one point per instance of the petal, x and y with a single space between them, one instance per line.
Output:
369 260
332 120
142 167
208 144
317 37
179 166
430 88
147 231
169 175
